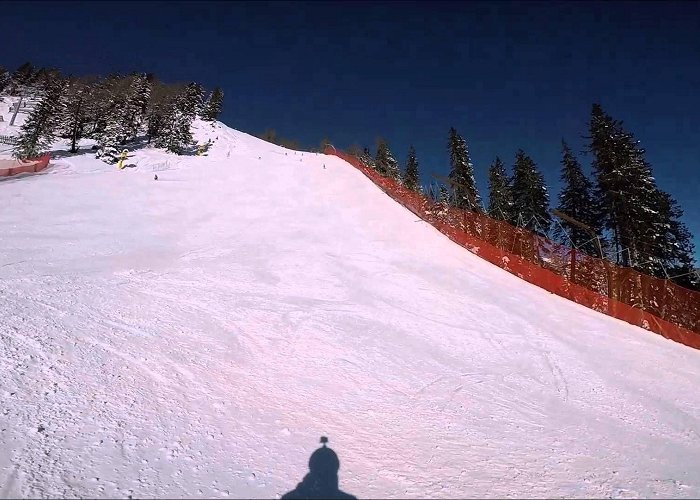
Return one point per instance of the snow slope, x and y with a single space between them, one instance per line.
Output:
194 337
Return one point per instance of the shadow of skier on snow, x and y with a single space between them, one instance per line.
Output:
322 479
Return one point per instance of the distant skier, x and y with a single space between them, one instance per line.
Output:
155 177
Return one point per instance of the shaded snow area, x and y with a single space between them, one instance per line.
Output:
195 336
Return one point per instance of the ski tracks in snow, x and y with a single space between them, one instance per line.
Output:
161 340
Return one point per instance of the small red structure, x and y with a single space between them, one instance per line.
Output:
14 167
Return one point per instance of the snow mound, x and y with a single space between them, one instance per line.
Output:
195 335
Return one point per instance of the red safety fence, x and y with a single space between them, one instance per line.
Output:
13 167
657 305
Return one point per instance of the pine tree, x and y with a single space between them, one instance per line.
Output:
675 249
500 195
99 105
38 131
530 197
462 174
123 103
615 163
126 101
117 113
76 110
180 134
155 122
135 104
411 176
379 156
111 137
576 201
193 103
176 134
445 200
385 162
109 150
157 108
21 77
643 221
212 108
367 159
44 78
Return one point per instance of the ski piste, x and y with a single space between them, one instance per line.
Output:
195 335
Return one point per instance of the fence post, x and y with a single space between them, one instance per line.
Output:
573 265
663 307
608 278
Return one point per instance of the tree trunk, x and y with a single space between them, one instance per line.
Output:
74 139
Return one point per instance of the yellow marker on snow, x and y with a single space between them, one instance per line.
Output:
122 157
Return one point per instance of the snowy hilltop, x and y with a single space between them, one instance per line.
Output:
195 335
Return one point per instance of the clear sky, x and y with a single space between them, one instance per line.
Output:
506 75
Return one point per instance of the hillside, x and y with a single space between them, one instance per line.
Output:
196 335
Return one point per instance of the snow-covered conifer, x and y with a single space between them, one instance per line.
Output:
500 195
411 176
530 197
576 201
462 174
385 163
212 108
38 131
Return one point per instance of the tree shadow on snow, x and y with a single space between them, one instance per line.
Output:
322 479
57 154
140 142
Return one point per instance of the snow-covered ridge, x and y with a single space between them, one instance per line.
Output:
195 335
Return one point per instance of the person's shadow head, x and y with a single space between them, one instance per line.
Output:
322 479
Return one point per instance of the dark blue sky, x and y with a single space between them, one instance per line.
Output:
506 75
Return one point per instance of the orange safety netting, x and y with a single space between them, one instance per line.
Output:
654 304
13 167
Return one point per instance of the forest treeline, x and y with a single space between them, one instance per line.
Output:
114 110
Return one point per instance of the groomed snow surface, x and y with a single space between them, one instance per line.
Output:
194 336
